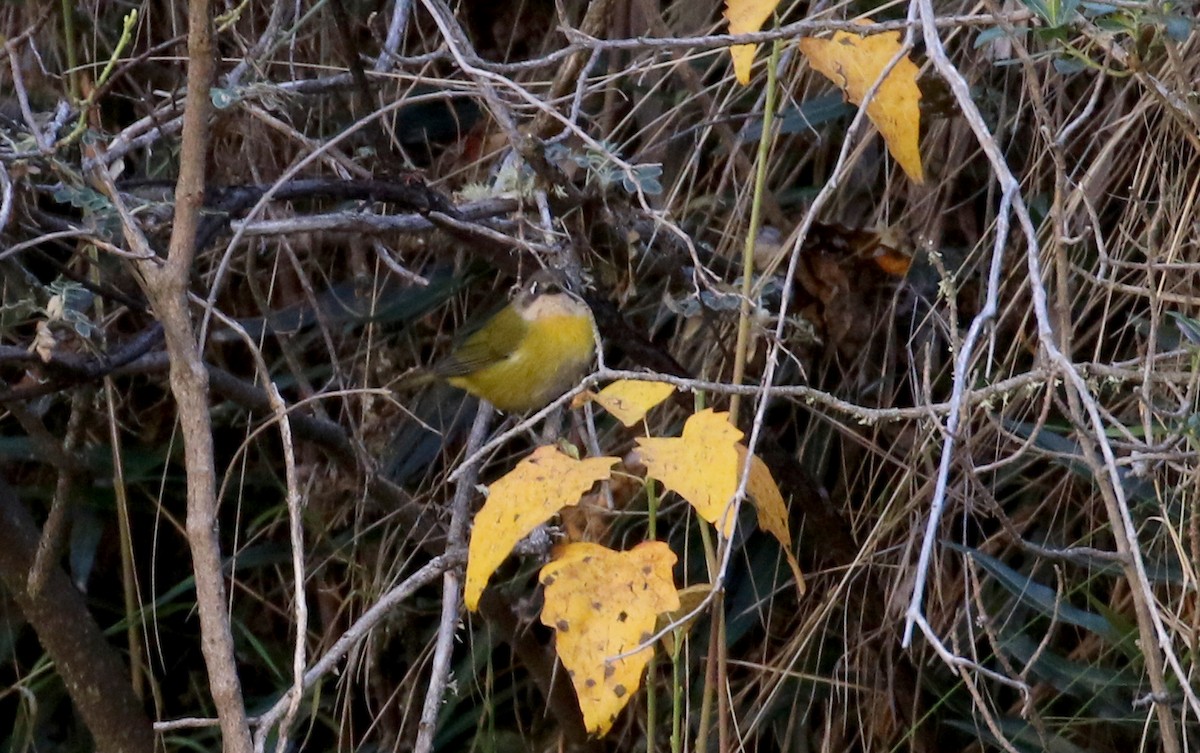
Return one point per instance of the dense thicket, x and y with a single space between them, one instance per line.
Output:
378 175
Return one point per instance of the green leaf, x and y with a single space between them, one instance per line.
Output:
646 177
1113 689
1188 327
1069 66
1039 597
1067 10
81 198
1179 28
1018 732
1054 12
988 36
811 114
222 99
1039 7
1070 456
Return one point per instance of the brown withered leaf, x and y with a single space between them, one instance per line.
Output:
845 276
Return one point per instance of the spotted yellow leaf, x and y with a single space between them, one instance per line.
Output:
603 604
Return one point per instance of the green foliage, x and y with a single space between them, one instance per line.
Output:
1057 38
1041 598
1055 13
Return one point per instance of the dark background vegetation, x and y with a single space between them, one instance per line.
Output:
320 139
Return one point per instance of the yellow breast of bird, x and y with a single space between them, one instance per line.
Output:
551 358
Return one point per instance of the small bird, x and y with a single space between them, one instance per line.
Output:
530 352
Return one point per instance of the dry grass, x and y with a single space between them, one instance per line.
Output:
1108 161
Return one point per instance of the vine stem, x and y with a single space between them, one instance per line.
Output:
716 677
68 17
760 186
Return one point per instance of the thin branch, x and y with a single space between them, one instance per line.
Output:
439 673
401 12
806 28
353 636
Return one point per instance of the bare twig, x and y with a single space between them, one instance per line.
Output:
401 12
14 65
6 197
353 636
279 411
439 675
806 28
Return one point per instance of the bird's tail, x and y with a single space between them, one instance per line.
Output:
413 380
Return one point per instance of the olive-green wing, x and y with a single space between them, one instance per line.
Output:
491 343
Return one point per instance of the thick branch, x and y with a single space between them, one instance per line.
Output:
93 673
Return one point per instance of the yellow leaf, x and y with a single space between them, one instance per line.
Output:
745 16
526 497
602 604
772 510
701 466
854 62
743 60
630 400
689 599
